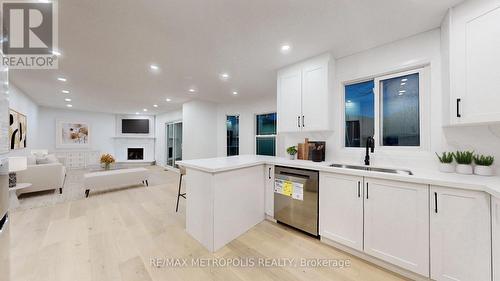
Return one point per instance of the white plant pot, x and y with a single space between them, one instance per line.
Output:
446 167
292 156
464 169
483 170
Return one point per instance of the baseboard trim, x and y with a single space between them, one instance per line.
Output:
379 263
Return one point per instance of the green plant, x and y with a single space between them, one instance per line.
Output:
292 150
446 157
464 157
482 160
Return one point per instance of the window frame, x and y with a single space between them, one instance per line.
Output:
225 126
424 86
275 136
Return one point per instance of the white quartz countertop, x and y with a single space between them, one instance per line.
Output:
490 185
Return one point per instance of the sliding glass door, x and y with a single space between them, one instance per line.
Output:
173 145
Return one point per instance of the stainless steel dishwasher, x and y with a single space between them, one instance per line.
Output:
296 198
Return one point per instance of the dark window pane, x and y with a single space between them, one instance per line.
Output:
233 130
266 124
400 111
266 146
359 113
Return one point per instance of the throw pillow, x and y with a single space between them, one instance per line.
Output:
52 158
43 160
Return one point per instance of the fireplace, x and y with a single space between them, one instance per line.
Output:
135 153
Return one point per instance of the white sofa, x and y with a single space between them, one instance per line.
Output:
42 177
114 178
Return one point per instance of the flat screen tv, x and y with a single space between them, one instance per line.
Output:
135 126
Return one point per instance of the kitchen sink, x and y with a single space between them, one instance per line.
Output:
373 169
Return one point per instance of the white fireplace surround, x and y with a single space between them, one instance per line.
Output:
122 144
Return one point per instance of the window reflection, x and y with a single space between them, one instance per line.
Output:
359 113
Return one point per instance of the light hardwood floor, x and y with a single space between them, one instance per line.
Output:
114 236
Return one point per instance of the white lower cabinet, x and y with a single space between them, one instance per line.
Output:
460 234
341 209
495 223
397 223
269 193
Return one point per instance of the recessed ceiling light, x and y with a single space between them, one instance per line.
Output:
69 105
168 100
402 91
154 67
62 79
404 79
137 113
224 76
155 105
285 48
235 93
65 91
67 99
404 83
145 110
192 90
56 53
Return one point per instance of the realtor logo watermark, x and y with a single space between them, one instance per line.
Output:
29 35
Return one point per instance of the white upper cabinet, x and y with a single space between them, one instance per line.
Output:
460 235
290 100
341 209
471 44
397 223
303 96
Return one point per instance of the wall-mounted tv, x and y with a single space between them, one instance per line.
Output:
135 126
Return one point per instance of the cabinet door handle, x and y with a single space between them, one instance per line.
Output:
435 202
269 172
359 189
298 121
458 108
303 121
366 190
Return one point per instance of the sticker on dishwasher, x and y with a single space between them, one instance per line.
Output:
289 188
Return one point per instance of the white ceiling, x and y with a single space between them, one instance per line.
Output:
107 46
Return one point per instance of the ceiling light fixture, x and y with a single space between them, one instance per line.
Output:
65 91
145 110
285 48
404 83
224 76
68 100
404 79
69 105
137 113
168 100
154 67
192 90
235 93
62 79
155 105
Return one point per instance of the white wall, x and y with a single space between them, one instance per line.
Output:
199 134
20 102
102 128
161 120
246 111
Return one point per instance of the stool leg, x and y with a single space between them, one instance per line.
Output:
178 194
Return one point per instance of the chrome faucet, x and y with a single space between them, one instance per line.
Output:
370 145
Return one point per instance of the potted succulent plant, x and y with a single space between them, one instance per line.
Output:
464 162
483 165
446 162
292 150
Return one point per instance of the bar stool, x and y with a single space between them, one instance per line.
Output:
182 172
